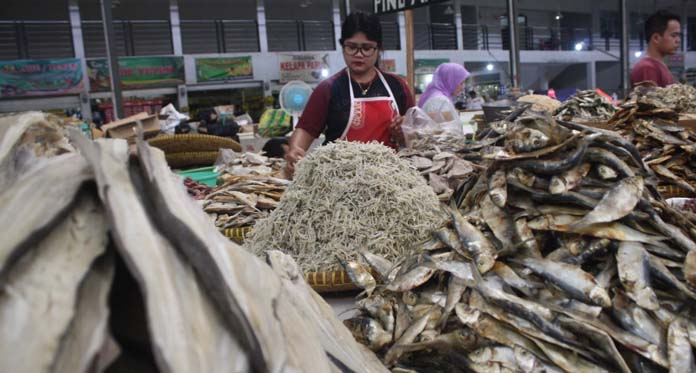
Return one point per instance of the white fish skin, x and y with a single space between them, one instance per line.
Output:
618 202
681 357
42 197
632 263
37 303
570 278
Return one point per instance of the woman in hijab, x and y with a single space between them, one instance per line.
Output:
448 81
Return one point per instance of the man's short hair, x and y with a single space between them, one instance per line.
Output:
657 23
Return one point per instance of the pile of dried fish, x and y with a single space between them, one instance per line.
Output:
434 138
541 103
231 164
669 149
444 171
244 200
348 196
586 106
206 304
548 267
680 98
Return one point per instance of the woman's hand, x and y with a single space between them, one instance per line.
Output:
292 155
395 130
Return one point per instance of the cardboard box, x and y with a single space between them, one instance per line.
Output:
125 128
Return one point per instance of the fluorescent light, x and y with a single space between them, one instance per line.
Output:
489 67
324 73
579 46
638 54
558 17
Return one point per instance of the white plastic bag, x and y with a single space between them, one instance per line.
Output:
419 126
173 119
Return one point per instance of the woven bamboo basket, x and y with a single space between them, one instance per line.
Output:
188 159
321 282
193 143
673 191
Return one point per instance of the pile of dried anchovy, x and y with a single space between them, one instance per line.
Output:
244 200
348 196
586 106
550 266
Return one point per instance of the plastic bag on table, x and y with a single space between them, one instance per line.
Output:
173 119
419 126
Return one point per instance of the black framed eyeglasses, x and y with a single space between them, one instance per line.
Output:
353 49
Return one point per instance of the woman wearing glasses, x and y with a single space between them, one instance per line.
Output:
359 103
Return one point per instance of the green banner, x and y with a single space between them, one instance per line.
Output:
40 77
428 65
224 69
137 72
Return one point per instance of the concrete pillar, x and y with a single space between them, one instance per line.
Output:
591 75
176 27
337 23
261 20
79 48
457 4
402 37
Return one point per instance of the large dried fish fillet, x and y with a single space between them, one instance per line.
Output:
36 201
37 302
335 338
186 334
12 128
232 276
88 331
280 315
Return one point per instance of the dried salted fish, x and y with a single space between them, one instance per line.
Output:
587 106
41 198
88 332
43 285
559 293
242 306
173 296
244 200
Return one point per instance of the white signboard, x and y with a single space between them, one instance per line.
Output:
308 67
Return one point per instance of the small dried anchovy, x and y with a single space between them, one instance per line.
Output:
349 196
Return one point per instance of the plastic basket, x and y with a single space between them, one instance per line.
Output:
203 175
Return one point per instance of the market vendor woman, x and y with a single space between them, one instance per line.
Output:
359 103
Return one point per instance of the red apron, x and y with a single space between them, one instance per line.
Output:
370 117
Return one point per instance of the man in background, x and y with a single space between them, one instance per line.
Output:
663 34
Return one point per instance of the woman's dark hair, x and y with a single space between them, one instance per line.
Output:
657 23
362 22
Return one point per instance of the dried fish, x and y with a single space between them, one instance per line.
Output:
43 285
586 106
348 196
